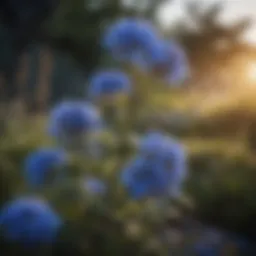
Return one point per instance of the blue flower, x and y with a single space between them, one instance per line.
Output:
73 118
107 83
29 221
43 166
128 36
94 186
145 178
166 60
162 164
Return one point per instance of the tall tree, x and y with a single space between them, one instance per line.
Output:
77 26
20 24
74 28
209 43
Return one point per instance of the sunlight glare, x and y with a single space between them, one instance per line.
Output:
252 72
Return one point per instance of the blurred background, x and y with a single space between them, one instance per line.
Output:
213 113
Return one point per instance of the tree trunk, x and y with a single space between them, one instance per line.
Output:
44 79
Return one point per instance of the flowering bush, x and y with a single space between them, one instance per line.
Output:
215 182
128 199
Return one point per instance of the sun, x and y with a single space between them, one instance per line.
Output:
252 72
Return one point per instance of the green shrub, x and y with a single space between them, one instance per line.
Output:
104 222
221 184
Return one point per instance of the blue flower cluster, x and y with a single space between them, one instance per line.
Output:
73 118
29 221
136 42
109 83
159 169
128 36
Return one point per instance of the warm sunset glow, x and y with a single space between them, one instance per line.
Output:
252 72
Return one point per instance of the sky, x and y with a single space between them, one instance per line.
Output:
233 11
